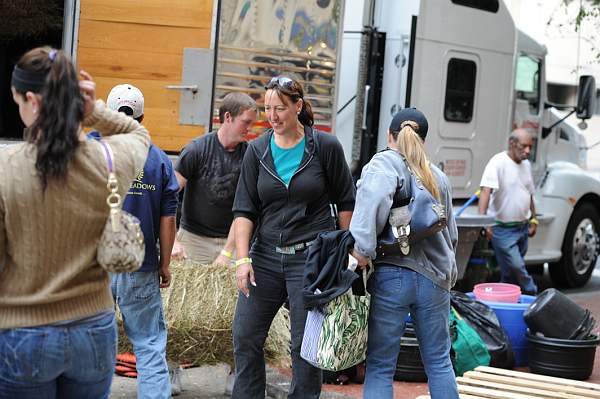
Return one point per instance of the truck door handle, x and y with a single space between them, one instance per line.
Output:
192 88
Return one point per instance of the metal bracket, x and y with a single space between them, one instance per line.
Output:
195 107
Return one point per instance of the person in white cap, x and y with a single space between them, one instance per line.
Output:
153 199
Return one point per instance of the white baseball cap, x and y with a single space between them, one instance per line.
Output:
126 95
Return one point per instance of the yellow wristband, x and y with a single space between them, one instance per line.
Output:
534 221
242 261
226 253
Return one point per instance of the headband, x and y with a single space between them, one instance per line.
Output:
24 81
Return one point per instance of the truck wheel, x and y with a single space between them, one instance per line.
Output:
579 249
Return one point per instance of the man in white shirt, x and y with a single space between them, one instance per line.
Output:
507 187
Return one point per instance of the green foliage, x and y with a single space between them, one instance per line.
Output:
588 9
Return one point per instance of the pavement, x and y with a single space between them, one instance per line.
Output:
209 381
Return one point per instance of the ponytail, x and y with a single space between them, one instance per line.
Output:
410 145
306 116
55 132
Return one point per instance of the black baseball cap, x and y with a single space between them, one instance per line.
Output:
410 114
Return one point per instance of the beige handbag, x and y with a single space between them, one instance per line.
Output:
121 248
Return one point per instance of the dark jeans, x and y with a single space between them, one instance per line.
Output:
278 276
70 361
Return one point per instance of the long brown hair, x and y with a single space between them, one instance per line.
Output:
55 132
411 146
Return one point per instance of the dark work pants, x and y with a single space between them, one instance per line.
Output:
278 276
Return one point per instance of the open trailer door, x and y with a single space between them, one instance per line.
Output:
162 47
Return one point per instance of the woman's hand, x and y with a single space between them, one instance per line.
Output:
363 261
88 91
244 274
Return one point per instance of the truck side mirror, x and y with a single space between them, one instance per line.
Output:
586 97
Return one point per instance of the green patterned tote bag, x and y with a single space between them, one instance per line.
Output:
335 336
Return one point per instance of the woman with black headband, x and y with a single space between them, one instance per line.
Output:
289 177
57 326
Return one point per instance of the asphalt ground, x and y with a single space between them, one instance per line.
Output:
209 381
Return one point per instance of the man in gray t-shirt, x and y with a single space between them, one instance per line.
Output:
209 168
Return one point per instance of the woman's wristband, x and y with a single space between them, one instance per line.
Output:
226 254
243 261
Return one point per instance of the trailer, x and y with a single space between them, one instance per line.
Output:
476 77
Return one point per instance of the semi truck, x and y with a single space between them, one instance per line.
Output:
462 62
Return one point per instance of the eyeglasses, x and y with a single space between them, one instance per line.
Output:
281 81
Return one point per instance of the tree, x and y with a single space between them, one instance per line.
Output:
582 13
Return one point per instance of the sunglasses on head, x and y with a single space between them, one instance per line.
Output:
281 81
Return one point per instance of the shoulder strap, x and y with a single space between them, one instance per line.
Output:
403 195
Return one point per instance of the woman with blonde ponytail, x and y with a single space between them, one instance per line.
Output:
418 283
412 147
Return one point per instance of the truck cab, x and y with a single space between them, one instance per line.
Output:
476 77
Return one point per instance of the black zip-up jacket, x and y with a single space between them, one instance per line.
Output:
290 215
327 269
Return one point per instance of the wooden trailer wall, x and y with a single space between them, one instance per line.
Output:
141 42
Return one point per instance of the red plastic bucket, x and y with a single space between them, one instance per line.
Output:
497 292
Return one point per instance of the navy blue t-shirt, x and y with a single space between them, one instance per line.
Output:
152 195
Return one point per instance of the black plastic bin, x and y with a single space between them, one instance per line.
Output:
565 358
556 316
410 366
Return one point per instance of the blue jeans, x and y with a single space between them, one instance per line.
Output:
138 297
74 360
510 247
278 276
396 291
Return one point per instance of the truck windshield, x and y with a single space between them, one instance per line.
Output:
527 83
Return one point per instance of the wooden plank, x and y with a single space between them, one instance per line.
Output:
536 384
251 90
538 377
266 65
165 130
143 38
492 394
155 93
190 13
265 79
130 64
283 54
507 387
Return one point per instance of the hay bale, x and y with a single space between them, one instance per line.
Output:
199 307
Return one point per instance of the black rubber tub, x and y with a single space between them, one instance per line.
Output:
565 358
410 366
574 322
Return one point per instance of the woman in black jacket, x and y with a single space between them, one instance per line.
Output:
289 178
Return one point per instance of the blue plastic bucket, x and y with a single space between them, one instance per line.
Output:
510 316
